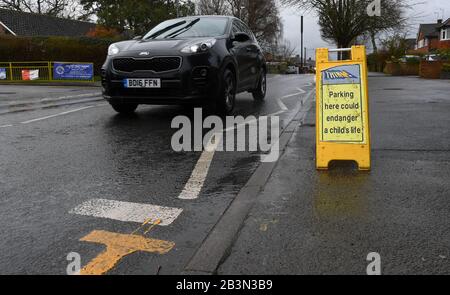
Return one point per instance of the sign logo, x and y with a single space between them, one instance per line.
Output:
144 53
338 75
60 70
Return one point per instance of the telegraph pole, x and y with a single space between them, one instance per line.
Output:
301 45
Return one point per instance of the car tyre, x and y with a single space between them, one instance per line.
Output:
124 108
226 98
259 94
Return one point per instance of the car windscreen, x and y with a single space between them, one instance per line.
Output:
189 28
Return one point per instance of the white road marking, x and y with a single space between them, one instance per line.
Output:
281 104
127 212
5 126
57 115
291 95
196 182
301 90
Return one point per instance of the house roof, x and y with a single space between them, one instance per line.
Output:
445 24
429 30
31 24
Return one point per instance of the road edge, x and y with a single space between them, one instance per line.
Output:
217 245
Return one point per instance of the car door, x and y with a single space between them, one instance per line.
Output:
242 55
254 61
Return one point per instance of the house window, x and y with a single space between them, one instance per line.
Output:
421 43
445 34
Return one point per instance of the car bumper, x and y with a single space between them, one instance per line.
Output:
184 85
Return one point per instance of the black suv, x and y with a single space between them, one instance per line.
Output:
201 59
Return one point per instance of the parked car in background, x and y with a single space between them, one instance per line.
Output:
292 70
409 58
432 57
201 59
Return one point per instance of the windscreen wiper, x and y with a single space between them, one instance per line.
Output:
183 30
160 32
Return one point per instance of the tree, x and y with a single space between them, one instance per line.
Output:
262 16
343 21
103 32
138 16
213 7
395 46
285 50
58 8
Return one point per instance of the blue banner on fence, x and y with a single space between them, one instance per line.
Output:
73 71
2 74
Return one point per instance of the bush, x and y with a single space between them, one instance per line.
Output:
376 62
444 54
277 68
446 68
64 49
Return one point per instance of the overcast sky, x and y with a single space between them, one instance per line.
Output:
422 13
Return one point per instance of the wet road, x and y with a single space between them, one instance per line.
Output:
76 174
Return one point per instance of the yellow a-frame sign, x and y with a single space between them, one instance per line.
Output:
342 119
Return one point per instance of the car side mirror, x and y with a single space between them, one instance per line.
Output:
241 37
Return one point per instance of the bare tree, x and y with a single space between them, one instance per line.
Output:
262 16
285 50
213 7
60 8
343 21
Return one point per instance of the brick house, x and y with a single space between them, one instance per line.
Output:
18 23
432 37
444 35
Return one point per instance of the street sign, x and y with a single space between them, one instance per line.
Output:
73 71
2 74
30 75
342 109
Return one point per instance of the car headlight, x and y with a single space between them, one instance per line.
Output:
201 46
113 50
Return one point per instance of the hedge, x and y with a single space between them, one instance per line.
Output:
82 49
278 68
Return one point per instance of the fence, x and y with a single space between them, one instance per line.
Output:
46 71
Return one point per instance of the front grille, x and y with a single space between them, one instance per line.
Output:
156 64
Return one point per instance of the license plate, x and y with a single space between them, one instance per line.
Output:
142 83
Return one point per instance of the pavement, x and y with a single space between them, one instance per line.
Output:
310 222
79 179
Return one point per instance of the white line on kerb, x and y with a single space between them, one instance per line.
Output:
127 212
57 115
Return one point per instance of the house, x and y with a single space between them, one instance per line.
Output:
444 35
18 23
432 37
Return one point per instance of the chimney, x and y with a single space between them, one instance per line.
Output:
440 21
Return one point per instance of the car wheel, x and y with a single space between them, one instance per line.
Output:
124 108
226 99
259 94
